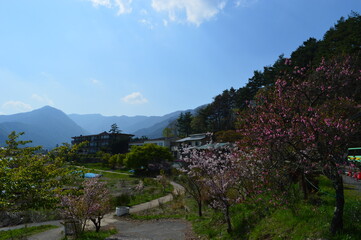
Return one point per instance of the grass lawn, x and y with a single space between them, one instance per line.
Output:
313 220
304 220
100 166
152 190
21 233
91 235
110 175
122 185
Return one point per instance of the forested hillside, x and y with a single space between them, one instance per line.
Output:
340 41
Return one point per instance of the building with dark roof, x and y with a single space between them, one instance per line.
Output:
192 141
107 142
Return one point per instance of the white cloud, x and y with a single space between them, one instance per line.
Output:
244 3
11 107
42 99
122 6
148 23
104 3
135 98
192 11
196 11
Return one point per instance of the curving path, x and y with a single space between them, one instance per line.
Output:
177 189
172 229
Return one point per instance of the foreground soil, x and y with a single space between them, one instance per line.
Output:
165 229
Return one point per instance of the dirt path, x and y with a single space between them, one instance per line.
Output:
129 229
165 229
152 230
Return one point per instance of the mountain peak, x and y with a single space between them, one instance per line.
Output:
47 107
48 110
46 126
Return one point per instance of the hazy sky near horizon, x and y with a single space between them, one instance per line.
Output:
146 57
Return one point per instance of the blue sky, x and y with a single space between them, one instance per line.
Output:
146 57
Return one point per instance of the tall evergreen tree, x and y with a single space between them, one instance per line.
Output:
184 124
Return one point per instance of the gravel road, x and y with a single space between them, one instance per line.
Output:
166 229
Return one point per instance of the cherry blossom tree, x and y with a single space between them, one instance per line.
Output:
304 124
74 210
97 201
91 202
217 171
194 187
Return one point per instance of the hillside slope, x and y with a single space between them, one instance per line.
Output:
151 126
46 126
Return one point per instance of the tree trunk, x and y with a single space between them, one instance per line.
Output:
96 222
304 186
228 220
200 208
337 220
83 226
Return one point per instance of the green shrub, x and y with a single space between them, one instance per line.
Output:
150 181
121 200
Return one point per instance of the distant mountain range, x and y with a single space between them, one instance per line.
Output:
151 127
49 126
46 126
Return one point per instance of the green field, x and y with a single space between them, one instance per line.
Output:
22 233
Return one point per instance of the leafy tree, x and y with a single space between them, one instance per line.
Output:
28 179
67 152
173 126
116 161
167 132
143 156
103 157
